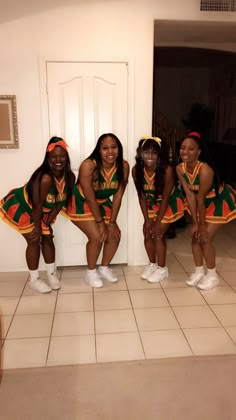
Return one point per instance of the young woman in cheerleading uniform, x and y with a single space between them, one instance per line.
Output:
160 201
32 209
102 175
210 203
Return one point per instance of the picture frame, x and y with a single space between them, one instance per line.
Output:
8 122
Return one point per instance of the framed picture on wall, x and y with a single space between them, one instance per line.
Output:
8 122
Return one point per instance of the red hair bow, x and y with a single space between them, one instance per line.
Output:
195 134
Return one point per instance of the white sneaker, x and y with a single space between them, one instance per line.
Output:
208 282
54 282
93 279
195 278
39 286
107 274
148 270
159 274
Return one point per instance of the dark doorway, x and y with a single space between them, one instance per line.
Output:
188 77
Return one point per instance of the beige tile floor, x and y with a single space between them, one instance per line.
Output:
129 320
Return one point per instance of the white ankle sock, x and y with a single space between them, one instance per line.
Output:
199 269
50 269
211 271
34 275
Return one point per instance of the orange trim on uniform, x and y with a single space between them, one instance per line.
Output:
23 231
98 200
80 190
152 215
218 219
195 171
108 175
148 178
82 217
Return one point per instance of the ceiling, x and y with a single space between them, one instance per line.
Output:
180 32
16 9
166 31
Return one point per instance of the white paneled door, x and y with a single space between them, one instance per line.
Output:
86 100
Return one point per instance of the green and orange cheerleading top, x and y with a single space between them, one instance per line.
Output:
175 208
105 185
219 208
16 210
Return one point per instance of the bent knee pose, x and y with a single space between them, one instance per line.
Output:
33 208
210 203
102 175
160 201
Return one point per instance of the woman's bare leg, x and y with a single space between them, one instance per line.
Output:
208 248
48 249
197 252
150 247
32 253
109 249
94 245
211 279
161 246
199 272
32 259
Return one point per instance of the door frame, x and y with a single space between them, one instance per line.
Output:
42 63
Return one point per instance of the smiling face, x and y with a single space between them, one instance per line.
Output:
189 151
109 151
150 158
57 160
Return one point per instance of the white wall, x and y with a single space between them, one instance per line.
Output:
95 31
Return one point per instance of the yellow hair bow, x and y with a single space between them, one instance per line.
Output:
156 139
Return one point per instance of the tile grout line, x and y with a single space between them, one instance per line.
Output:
53 317
14 313
138 330
180 263
94 326
129 293
178 321
223 326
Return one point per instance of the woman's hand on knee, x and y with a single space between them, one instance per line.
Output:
148 229
194 231
158 230
203 235
47 239
35 235
114 231
102 231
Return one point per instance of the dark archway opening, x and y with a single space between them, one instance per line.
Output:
199 85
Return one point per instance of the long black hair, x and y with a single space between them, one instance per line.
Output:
96 155
204 157
162 152
45 168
